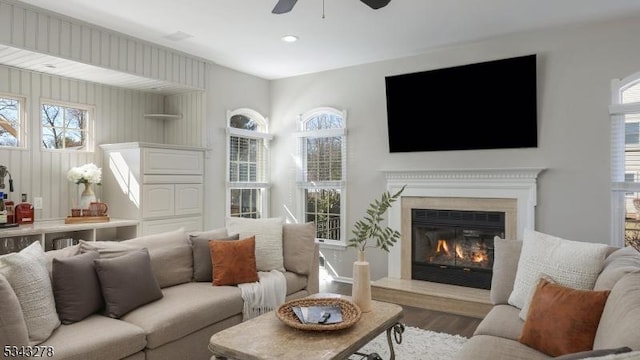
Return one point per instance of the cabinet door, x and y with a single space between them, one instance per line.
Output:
188 199
158 200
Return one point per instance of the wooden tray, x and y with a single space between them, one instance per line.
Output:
85 219
350 313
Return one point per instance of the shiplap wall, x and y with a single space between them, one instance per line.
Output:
119 112
119 118
30 28
190 129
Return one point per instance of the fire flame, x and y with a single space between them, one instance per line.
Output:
476 256
442 247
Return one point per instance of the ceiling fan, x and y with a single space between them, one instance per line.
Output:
284 6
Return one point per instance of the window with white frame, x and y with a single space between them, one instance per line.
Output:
625 161
11 119
322 172
66 126
247 164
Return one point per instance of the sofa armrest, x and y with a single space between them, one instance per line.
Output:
505 265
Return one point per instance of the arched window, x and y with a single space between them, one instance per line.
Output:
322 172
247 164
625 161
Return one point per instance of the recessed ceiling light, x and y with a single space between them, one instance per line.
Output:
289 38
50 66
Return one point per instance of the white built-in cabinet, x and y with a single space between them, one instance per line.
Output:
158 184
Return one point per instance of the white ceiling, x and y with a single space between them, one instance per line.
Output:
245 35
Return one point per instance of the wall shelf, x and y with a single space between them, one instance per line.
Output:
163 116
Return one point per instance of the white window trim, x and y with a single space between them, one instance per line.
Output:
342 184
91 113
617 111
22 136
258 134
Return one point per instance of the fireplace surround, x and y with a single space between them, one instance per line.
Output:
508 191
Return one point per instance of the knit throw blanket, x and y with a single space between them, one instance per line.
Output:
264 295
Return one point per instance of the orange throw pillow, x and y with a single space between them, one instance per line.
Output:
234 262
562 320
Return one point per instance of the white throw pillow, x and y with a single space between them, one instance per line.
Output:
268 233
27 273
574 264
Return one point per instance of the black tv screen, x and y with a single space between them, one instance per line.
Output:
488 105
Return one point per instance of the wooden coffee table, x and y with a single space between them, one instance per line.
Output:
266 337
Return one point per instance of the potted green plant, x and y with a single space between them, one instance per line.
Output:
365 229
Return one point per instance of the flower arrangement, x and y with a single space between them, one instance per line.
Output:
87 173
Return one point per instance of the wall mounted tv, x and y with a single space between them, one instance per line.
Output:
488 105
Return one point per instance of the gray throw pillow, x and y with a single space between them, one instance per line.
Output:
202 263
127 282
76 287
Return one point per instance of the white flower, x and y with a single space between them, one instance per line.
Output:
87 173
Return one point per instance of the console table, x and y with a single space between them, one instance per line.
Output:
16 238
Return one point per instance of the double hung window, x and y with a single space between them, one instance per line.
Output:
625 161
247 164
322 175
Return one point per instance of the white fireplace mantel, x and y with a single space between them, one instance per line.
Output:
518 183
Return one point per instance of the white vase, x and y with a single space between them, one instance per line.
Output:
87 196
361 289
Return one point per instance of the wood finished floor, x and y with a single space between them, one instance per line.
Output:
420 318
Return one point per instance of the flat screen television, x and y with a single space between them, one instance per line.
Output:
488 105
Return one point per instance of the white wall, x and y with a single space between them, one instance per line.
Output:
575 68
226 90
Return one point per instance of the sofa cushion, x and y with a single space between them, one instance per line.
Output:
562 320
234 262
621 262
202 263
502 321
505 262
493 347
127 282
171 256
184 309
298 246
295 282
106 249
97 338
268 234
27 273
65 252
76 287
621 316
541 254
13 329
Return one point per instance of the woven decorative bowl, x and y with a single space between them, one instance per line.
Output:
350 313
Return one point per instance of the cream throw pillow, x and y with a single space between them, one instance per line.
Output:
569 263
27 273
268 233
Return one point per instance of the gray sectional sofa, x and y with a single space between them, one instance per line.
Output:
179 322
498 335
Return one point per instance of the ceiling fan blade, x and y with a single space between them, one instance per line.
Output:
376 4
283 6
